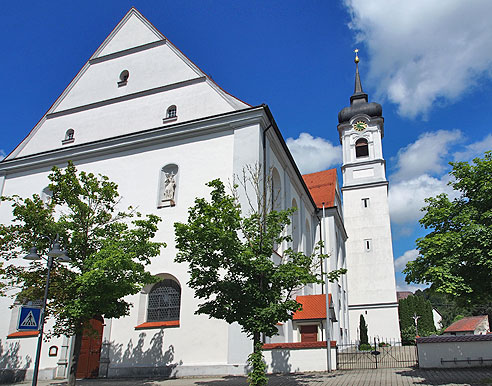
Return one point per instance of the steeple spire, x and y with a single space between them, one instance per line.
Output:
358 100
358 84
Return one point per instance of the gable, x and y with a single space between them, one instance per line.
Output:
97 105
132 31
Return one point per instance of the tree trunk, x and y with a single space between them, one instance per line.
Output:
75 359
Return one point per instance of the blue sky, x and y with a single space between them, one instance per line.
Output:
428 62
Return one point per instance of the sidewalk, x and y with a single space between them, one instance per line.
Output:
400 377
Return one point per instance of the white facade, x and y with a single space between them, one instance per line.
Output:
371 276
137 110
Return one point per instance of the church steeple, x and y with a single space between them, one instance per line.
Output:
359 100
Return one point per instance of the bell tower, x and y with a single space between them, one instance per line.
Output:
371 274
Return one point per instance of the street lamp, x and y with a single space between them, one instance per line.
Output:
61 256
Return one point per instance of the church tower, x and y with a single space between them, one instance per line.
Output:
371 274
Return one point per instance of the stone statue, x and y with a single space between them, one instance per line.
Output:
169 186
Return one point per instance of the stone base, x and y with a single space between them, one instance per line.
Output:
175 371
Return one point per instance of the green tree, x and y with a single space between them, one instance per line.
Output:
109 250
456 256
364 338
407 309
229 256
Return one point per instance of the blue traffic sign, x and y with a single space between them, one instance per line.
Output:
29 319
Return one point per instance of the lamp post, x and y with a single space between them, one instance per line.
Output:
54 253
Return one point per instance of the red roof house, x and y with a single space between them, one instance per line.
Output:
472 325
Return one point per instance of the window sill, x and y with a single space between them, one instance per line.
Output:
151 325
170 119
65 141
23 334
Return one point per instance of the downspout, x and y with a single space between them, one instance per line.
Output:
327 297
262 337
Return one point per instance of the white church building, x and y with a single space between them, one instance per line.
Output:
140 112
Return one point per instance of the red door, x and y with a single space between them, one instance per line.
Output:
309 333
88 366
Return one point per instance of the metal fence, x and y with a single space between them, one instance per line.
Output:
380 355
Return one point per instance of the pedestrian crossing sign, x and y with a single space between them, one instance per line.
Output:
29 319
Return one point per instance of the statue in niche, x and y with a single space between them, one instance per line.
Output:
168 185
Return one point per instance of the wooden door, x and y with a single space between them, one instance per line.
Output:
90 352
309 333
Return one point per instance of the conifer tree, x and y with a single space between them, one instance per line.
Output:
364 338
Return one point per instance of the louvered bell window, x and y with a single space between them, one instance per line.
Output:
164 301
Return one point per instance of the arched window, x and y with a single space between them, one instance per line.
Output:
164 301
308 247
361 148
124 75
295 226
69 136
171 112
168 185
276 189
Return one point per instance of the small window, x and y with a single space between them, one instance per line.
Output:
368 245
365 203
164 301
171 112
123 78
361 148
69 136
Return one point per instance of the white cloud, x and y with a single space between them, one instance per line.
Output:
2 154
401 261
413 180
314 154
423 52
425 155
475 149
406 198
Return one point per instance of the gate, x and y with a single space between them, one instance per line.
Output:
380 355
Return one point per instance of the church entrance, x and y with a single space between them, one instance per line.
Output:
309 333
90 352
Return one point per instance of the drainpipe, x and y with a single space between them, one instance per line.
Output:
328 324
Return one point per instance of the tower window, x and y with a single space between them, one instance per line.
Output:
123 78
367 245
365 203
361 148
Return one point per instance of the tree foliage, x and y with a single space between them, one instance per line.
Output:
109 250
229 257
364 338
411 306
456 256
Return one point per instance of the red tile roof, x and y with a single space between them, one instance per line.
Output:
298 345
313 307
22 334
466 324
322 186
149 325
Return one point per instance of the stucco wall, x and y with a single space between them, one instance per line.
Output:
455 352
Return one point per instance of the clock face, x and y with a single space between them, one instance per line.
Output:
360 126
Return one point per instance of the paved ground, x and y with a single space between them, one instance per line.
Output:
397 377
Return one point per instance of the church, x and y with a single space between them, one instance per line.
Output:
140 112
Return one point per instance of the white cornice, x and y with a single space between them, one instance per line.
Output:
149 137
